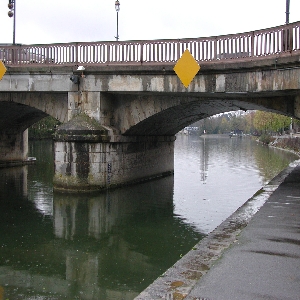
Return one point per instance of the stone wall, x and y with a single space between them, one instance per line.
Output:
89 156
88 166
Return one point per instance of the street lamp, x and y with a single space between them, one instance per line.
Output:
12 13
117 8
287 12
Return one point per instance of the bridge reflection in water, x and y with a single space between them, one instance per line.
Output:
103 246
112 245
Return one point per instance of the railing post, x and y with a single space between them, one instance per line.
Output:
290 38
16 55
76 53
215 48
47 55
13 54
108 53
283 41
252 44
142 53
178 50
287 39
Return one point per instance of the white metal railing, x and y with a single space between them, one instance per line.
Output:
259 43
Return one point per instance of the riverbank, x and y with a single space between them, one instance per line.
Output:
231 250
287 142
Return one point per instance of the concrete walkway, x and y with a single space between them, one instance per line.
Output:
258 259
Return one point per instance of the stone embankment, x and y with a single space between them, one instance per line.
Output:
287 142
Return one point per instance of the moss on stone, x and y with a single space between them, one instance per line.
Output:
81 122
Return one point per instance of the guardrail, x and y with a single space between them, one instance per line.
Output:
253 44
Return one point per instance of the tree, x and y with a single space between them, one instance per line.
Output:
248 122
224 126
260 121
270 122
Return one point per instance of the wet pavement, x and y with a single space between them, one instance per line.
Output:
254 254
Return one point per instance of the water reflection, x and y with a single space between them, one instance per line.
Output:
270 159
130 234
99 215
40 188
13 182
215 175
203 159
112 245
105 246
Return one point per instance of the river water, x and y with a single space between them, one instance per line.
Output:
112 245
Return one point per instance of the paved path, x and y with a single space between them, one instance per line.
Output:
265 261
252 255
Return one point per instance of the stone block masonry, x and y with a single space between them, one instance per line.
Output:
89 158
13 146
88 166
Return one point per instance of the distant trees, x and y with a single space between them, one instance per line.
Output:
259 122
266 122
252 122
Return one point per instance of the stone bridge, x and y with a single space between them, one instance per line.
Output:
120 117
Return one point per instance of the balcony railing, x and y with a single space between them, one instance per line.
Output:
249 45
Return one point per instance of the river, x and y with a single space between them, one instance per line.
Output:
113 244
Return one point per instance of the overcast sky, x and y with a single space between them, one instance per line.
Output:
62 21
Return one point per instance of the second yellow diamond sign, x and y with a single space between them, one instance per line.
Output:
186 68
2 69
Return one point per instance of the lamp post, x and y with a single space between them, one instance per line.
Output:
117 8
12 13
287 12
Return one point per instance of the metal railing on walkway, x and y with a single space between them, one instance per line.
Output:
249 45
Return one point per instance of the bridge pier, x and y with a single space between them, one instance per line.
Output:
13 146
90 157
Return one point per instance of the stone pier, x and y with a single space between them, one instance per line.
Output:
13 147
90 157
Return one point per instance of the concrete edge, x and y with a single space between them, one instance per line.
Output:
178 281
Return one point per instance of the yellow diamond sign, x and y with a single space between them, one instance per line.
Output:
186 68
2 69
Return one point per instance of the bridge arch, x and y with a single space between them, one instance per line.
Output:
161 117
171 120
30 107
18 111
20 116
166 108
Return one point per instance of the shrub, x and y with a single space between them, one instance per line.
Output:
266 138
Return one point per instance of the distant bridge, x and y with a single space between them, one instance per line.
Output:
121 118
